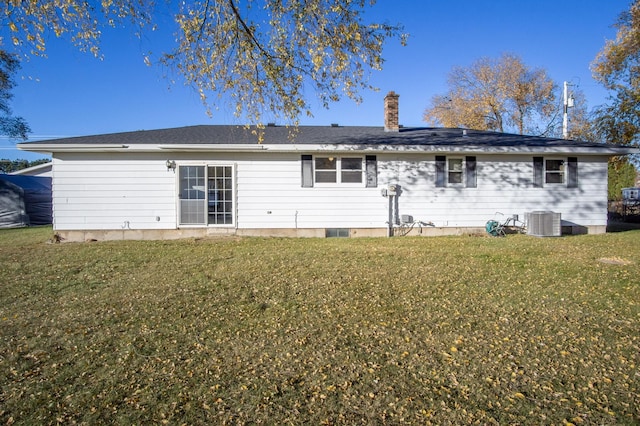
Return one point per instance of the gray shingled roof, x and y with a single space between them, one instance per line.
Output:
353 135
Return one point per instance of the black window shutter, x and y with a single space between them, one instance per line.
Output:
307 171
538 172
371 168
470 164
572 172
441 164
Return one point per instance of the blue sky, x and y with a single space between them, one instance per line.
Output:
71 93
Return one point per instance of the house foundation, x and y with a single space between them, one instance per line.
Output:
175 234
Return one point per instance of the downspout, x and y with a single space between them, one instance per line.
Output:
390 218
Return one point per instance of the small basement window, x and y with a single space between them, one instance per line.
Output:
336 233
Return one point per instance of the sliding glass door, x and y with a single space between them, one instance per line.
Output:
206 195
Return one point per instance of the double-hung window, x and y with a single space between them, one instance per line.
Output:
456 171
351 170
339 170
555 171
326 169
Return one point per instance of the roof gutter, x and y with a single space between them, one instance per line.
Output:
356 148
462 149
48 148
212 147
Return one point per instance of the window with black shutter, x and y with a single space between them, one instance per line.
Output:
572 172
456 171
555 172
472 180
338 170
441 164
371 170
307 171
538 171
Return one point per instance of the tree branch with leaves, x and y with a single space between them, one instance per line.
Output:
617 67
265 54
261 54
13 127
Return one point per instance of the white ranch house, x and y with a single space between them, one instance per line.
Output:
321 181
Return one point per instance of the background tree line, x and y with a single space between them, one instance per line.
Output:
506 95
10 166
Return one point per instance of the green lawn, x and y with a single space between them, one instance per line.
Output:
439 330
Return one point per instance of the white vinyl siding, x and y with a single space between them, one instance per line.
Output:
270 196
109 191
115 191
504 184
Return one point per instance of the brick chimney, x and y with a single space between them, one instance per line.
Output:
391 119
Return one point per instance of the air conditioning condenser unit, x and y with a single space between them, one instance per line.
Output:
544 224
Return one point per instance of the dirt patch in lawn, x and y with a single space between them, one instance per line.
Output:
615 261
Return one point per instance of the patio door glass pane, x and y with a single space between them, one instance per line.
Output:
220 195
192 195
